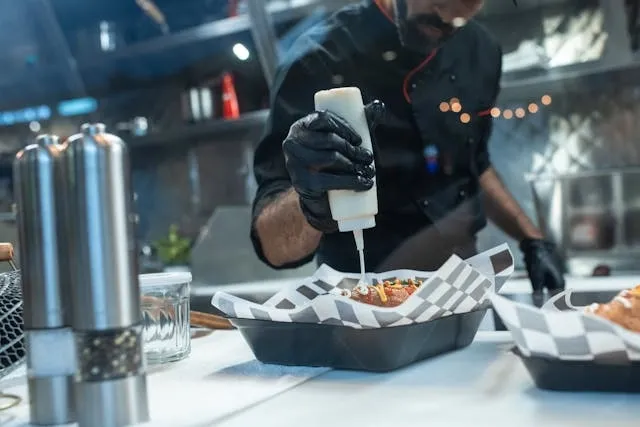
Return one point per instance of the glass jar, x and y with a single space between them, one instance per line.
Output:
165 312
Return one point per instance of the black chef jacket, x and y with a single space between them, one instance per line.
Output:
359 46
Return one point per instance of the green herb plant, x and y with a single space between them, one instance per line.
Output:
174 249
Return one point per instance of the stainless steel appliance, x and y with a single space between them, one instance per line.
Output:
48 334
111 388
593 216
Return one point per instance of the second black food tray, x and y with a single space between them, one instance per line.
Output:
582 376
342 347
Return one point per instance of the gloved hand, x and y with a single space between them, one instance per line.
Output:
543 265
323 153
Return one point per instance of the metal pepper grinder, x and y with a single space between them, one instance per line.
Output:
47 324
111 386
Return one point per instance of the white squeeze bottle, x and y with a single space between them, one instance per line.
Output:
354 211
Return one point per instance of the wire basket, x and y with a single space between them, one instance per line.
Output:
12 347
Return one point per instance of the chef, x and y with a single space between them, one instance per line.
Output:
430 76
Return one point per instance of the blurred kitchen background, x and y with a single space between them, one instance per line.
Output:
186 84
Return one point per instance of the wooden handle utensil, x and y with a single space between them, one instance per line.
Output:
209 321
6 254
155 307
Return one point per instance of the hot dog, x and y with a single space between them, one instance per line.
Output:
623 310
386 294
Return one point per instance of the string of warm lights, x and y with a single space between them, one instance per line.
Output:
455 106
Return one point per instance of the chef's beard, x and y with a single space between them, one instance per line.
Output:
410 34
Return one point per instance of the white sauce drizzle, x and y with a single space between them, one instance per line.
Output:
362 289
340 292
593 307
624 301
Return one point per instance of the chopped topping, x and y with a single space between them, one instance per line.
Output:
381 292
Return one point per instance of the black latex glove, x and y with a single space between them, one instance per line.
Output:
323 153
543 265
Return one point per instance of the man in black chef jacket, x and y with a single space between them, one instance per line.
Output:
437 74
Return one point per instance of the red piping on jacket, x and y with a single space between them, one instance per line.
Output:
384 11
407 79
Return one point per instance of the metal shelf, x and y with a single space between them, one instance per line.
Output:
506 7
279 13
517 85
7 217
249 122
214 129
590 210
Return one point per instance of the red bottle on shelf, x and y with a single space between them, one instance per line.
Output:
230 108
233 8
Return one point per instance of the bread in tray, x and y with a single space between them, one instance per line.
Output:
623 310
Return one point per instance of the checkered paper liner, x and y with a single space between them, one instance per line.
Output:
570 335
457 287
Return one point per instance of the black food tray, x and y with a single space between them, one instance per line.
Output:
342 347
582 376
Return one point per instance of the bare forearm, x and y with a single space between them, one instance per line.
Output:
284 233
504 210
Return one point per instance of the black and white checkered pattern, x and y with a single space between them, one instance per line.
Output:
496 263
457 287
566 335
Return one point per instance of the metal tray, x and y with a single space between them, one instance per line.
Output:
342 347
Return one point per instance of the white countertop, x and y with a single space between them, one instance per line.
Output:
220 378
482 385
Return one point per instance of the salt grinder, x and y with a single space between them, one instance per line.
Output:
111 386
48 335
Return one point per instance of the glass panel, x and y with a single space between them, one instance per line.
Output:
632 227
631 187
592 232
590 192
